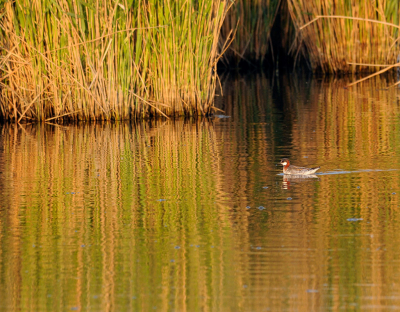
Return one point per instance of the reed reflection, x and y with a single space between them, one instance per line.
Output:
319 121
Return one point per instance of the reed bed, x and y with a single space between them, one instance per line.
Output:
343 32
108 60
252 21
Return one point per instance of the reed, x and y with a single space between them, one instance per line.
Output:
108 59
344 32
252 21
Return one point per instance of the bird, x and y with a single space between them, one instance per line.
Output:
290 169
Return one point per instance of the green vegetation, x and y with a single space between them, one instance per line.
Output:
108 60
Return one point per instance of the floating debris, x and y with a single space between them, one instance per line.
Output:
354 219
222 116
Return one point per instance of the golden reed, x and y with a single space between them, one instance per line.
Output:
108 60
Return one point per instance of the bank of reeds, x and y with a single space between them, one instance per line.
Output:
252 21
343 32
108 59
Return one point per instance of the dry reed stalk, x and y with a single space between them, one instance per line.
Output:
108 60
338 33
375 74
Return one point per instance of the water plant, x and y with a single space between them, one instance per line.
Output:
87 60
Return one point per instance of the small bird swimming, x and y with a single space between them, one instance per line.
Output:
290 169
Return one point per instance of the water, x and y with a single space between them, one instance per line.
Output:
195 215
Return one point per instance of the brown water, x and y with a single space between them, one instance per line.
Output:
196 216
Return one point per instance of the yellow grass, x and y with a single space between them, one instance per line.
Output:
108 60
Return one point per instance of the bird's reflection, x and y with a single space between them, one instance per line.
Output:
287 178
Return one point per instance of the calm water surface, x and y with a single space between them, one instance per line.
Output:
196 216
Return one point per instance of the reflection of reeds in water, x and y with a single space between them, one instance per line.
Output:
252 22
249 102
336 128
333 42
350 128
108 204
354 123
108 60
